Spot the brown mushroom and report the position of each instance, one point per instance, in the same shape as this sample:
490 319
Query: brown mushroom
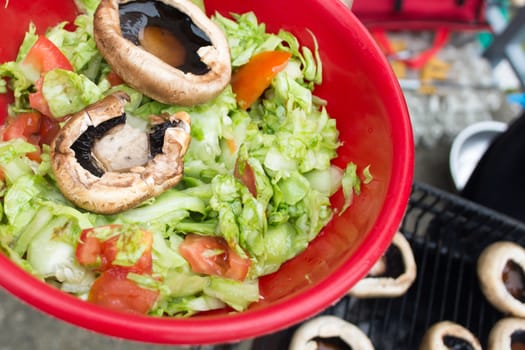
447 335
507 334
136 165
392 275
167 49
500 270
320 332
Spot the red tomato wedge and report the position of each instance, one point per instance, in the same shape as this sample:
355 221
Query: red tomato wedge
44 56
22 126
114 79
251 79
212 256
25 126
49 128
100 254
37 100
112 289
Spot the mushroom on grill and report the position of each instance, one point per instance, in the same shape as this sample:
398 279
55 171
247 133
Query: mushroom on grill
507 334
105 166
167 49
392 275
323 330
500 270
447 335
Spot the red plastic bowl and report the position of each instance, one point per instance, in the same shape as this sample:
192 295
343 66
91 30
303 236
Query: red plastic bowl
362 94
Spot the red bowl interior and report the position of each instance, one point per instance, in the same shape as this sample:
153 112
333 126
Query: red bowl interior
362 94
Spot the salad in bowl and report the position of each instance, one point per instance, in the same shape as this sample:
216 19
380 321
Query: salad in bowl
167 158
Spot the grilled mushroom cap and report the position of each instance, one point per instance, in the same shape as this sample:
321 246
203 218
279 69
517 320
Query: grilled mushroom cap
307 336
500 272
446 335
382 281
506 333
143 64
101 181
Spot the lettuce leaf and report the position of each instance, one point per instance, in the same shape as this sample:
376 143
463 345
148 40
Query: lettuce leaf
67 92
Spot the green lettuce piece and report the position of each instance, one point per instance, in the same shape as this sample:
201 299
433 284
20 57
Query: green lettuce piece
279 246
67 92
39 220
367 175
326 181
185 284
351 184
13 162
246 36
87 6
51 254
165 253
49 251
29 40
293 188
79 45
239 295
45 211
170 205
19 83
19 203
6 249
186 306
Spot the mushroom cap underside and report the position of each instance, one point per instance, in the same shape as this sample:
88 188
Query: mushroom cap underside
114 191
151 75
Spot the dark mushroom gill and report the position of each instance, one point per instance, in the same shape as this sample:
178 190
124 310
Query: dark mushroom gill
514 279
166 32
156 135
456 343
84 144
332 343
518 340
395 265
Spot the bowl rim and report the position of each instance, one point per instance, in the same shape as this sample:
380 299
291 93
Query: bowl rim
252 323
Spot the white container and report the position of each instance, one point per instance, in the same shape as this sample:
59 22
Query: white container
469 146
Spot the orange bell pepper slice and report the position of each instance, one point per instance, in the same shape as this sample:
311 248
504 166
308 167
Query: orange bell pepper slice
251 79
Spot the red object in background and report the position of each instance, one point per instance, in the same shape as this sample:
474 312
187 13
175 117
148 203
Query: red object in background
421 14
364 96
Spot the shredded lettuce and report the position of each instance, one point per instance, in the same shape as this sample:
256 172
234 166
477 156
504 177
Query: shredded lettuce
67 92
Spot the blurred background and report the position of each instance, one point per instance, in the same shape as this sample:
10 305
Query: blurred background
460 63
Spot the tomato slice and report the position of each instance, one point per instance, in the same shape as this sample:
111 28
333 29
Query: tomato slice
44 56
244 172
251 79
100 254
49 128
37 100
112 289
114 79
25 126
22 126
212 256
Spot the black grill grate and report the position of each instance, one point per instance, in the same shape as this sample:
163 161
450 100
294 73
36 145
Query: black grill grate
447 234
